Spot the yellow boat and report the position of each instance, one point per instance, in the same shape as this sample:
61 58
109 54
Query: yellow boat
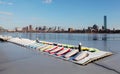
45 48
89 49
84 48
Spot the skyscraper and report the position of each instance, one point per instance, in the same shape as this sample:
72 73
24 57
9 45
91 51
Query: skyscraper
30 27
105 22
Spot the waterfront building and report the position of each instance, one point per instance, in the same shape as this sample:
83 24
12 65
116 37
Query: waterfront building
40 28
105 22
95 27
25 29
30 28
70 30
58 28
89 29
55 28
103 27
36 29
18 29
44 28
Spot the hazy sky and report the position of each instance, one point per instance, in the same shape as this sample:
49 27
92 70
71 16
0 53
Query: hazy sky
64 13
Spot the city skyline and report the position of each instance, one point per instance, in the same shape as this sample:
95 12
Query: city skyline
64 13
45 29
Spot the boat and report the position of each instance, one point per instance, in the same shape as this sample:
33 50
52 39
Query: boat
45 48
40 47
56 50
89 49
81 56
65 50
50 49
71 53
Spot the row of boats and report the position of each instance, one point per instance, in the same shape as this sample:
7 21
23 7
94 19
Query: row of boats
62 51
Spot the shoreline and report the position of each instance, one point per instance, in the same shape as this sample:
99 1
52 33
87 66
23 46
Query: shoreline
62 32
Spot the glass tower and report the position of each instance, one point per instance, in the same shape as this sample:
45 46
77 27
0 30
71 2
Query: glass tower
105 22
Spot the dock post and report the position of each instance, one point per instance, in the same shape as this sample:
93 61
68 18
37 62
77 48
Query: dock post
79 47
37 40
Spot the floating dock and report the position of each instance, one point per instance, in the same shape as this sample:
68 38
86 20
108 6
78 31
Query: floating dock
62 51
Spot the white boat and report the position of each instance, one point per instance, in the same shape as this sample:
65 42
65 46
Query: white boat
81 56
56 50
71 53
65 50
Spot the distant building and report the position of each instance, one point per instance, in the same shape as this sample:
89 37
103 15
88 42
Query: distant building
55 28
36 29
40 28
105 22
18 29
103 27
44 28
59 29
49 29
89 29
70 30
30 28
25 29
95 27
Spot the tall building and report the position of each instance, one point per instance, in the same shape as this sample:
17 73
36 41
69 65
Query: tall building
105 22
70 30
30 28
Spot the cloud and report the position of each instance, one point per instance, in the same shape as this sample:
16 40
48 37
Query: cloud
6 13
47 1
6 3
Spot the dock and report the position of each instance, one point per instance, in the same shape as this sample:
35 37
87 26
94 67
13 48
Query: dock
15 59
83 57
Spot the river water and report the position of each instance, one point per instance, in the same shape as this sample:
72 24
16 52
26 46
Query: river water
107 42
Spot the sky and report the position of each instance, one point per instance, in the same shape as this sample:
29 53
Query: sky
64 13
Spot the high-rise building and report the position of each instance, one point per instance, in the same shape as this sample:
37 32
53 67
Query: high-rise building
30 28
105 22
